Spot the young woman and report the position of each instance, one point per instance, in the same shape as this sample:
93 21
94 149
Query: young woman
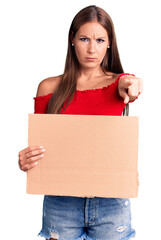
93 82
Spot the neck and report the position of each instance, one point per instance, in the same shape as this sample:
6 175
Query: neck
89 73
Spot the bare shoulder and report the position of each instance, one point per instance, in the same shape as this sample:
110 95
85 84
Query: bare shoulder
48 85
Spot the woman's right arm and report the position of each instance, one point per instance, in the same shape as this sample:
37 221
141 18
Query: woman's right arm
29 157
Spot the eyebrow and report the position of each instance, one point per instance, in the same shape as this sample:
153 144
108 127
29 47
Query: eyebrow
88 37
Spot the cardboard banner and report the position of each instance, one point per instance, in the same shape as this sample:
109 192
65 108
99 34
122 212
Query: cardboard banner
86 155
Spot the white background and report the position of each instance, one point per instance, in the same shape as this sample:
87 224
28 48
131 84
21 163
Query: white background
33 46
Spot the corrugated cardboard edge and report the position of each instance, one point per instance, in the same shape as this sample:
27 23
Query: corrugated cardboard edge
28 179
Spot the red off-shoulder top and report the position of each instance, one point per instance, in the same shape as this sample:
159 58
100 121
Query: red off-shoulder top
99 101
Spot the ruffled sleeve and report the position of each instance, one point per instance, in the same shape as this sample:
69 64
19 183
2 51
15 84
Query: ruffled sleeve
41 103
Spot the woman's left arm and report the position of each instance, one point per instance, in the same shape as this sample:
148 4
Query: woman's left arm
130 87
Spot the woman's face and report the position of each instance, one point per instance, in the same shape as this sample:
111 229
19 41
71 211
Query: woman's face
90 43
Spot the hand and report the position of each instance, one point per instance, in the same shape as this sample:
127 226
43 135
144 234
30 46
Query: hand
28 157
130 87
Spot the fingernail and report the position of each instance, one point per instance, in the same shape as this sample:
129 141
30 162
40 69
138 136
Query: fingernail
36 163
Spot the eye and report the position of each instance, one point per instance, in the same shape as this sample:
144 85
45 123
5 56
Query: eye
83 39
100 40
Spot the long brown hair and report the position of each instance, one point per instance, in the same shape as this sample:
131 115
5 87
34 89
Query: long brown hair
111 61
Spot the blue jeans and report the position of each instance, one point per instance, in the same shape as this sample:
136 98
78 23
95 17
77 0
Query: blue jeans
79 218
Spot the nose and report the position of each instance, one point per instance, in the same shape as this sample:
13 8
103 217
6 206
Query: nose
91 47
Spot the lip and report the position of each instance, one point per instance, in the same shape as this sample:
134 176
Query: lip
91 58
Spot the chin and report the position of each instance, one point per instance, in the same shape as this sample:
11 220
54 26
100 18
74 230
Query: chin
90 65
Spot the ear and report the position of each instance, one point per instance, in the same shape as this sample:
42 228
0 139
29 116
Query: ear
109 43
71 37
